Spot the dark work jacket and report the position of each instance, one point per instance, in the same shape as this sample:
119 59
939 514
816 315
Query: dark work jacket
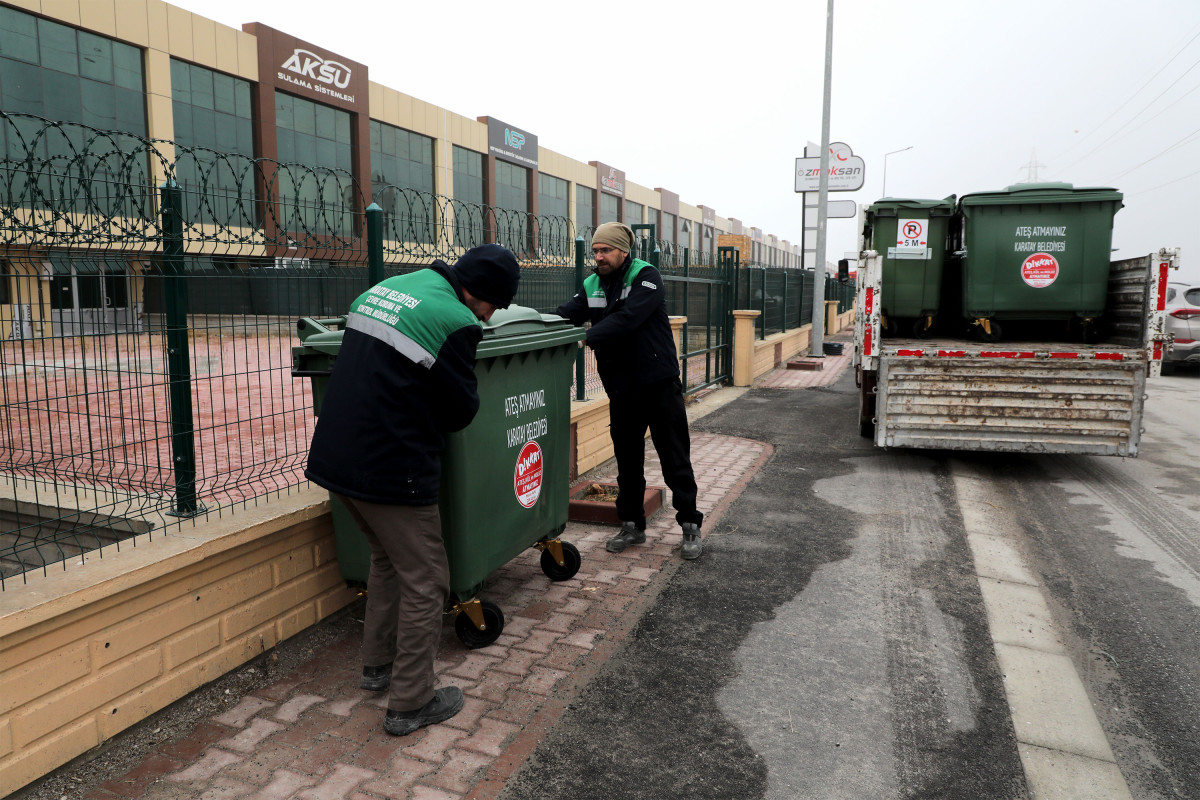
630 334
403 378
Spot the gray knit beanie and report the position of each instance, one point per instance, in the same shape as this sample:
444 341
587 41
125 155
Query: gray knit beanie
614 234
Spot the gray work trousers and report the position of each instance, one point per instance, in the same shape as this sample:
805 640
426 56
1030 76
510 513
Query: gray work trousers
407 590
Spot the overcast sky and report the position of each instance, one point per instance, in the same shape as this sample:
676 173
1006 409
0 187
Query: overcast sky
714 101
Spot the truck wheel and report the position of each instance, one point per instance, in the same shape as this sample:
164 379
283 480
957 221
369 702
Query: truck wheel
472 637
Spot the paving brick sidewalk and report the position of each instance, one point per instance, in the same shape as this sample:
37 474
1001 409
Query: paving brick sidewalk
316 736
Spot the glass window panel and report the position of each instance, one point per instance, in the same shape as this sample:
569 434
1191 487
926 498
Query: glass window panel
58 47
18 35
633 213
284 118
286 142
241 98
60 96
95 57
345 158
21 84
304 116
127 67
226 134
306 149
323 121
202 87
245 137
342 126
326 153
130 111
609 205
182 113
98 108
204 127
223 93
181 82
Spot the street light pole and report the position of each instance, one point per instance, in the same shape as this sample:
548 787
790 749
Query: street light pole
885 158
816 339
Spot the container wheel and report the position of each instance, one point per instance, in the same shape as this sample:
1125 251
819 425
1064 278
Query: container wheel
992 335
923 327
570 565
470 635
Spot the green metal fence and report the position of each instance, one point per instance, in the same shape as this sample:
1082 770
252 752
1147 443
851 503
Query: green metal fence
148 299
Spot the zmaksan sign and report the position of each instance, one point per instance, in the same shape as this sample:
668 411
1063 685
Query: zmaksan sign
846 170
512 144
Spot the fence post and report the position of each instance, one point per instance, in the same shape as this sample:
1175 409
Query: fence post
179 369
374 243
580 354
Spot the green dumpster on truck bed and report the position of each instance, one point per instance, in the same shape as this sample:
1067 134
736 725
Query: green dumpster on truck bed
504 485
1037 251
910 236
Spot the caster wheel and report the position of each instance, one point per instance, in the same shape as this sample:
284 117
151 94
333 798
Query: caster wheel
472 637
570 565
922 330
995 334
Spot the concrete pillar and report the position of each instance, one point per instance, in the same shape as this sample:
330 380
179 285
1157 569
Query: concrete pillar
831 317
743 347
677 333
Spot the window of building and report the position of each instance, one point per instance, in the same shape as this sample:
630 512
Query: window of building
468 197
552 196
402 182
315 164
633 213
214 144
512 203
585 212
609 206
653 217
667 233
64 74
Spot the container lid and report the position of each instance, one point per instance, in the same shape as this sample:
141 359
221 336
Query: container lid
520 320
1020 193
884 205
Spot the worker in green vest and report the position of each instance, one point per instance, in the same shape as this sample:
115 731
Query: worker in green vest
403 379
626 303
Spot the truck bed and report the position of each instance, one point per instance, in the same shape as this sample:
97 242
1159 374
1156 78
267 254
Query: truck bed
1035 404
1031 395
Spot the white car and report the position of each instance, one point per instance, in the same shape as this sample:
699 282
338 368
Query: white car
1183 320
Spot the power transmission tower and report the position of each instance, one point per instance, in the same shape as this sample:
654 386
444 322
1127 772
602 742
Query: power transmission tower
1031 174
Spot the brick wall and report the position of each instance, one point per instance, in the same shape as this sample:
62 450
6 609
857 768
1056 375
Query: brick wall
88 651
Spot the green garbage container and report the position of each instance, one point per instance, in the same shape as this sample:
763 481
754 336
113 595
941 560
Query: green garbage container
910 236
1036 251
504 486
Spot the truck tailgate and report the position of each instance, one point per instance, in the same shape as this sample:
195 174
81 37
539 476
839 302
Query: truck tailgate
1023 405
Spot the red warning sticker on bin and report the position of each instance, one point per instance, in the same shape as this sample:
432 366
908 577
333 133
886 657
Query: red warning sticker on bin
527 481
1040 270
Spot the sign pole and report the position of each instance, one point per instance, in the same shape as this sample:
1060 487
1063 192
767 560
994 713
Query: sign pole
817 338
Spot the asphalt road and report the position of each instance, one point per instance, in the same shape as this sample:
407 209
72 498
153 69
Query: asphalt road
833 641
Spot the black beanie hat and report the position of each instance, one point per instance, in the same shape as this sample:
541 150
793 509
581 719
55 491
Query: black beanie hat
490 272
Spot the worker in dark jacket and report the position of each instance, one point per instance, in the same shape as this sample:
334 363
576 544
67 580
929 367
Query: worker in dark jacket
404 378
626 303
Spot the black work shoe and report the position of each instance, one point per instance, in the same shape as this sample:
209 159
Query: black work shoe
629 535
446 702
692 546
376 679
